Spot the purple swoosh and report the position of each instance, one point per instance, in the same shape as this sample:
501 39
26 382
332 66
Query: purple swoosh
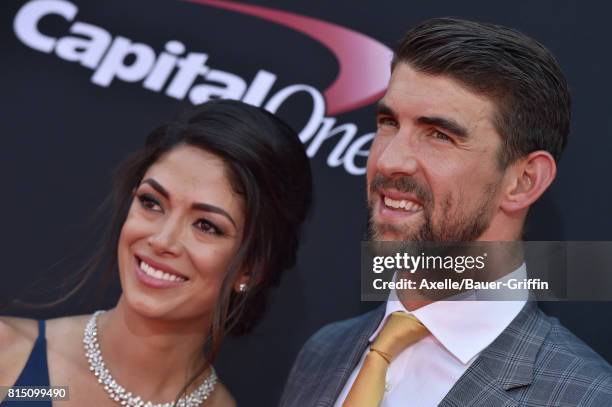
364 62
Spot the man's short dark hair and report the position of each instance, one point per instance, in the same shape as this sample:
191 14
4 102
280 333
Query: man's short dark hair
516 72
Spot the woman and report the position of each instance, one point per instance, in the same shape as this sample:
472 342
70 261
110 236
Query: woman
206 217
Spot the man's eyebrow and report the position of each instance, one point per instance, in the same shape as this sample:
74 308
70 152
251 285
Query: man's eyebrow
198 206
383 108
447 124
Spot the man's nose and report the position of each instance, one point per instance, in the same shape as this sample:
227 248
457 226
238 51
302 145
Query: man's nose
399 155
167 238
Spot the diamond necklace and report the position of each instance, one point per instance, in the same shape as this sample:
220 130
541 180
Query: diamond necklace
117 393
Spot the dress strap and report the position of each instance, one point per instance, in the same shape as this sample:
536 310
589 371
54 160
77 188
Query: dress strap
35 371
41 329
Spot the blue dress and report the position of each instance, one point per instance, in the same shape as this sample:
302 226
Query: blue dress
35 372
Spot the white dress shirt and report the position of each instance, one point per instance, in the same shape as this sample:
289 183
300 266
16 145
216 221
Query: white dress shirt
422 374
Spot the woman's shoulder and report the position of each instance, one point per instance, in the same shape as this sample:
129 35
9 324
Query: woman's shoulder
17 338
65 336
221 397
15 329
66 326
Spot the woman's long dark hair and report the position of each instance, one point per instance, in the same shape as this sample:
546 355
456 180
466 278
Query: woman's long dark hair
267 165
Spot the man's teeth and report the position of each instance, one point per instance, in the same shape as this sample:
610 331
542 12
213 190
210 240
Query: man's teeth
408 206
161 275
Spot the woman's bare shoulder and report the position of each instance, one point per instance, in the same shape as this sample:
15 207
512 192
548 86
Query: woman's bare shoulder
17 337
66 325
65 335
221 397
15 329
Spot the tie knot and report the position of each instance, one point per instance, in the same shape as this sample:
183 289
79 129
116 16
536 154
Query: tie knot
400 331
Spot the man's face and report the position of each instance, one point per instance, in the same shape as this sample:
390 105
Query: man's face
432 172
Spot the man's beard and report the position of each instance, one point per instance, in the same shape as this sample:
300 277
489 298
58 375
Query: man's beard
453 227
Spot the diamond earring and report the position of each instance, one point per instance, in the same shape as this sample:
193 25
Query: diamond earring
242 287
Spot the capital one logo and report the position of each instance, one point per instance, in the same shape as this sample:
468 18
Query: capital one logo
361 80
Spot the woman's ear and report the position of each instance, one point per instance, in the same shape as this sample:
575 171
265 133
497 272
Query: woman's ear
249 276
531 177
241 285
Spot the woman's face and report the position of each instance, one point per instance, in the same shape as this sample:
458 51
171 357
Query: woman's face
183 228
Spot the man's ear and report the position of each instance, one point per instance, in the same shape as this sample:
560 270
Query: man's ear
530 177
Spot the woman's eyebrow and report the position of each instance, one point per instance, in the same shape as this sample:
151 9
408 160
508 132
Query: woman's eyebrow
197 205
157 186
211 208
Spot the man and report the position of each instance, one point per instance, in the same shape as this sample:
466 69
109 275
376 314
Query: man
469 132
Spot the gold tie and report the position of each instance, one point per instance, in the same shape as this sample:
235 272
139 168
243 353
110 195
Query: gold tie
400 331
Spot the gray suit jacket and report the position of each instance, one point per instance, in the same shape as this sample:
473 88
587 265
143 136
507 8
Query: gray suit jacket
534 362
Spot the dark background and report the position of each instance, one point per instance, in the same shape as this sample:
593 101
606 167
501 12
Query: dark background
62 136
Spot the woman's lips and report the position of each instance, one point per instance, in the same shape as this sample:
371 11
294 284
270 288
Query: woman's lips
156 279
159 266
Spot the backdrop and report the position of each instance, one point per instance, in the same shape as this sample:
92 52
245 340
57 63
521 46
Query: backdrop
84 82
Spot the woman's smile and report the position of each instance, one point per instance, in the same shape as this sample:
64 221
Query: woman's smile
156 276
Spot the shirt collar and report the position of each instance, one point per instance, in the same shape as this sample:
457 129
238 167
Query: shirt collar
464 328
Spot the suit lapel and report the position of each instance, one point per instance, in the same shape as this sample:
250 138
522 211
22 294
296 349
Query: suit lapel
477 387
346 356
505 364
